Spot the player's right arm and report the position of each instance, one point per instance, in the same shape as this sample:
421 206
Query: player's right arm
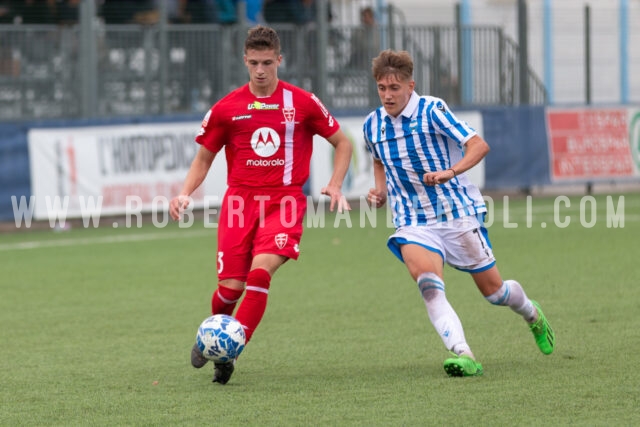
475 150
378 196
197 173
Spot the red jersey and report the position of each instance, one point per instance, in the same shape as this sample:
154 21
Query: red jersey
268 140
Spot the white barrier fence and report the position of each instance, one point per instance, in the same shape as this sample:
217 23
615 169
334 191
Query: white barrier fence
91 170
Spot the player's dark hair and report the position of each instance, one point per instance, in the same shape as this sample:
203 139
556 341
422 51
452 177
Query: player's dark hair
261 37
390 62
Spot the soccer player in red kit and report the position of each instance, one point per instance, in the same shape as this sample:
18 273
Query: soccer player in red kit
266 128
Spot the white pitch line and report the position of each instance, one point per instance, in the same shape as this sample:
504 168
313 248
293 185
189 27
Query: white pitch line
98 240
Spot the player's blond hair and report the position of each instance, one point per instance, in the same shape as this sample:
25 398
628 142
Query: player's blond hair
262 37
391 62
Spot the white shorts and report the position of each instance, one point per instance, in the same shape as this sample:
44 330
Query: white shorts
462 243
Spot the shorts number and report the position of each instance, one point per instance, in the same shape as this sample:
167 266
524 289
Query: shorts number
220 263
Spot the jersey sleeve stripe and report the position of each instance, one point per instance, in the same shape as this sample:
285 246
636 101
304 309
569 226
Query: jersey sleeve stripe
288 139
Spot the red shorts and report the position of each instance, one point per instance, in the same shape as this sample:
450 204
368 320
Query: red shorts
256 222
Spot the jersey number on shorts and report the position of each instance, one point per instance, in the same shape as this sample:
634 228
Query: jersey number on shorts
220 263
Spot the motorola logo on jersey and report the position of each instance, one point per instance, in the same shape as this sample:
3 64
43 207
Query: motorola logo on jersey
265 162
265 142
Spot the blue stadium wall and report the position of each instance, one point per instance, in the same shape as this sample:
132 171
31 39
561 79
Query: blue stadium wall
519 155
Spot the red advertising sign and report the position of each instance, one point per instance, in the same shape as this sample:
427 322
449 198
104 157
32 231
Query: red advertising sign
589 144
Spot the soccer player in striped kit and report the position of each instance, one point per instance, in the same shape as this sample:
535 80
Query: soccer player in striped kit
421 152
266 128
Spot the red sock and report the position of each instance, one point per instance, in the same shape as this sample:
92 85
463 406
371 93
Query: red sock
254 303
224 300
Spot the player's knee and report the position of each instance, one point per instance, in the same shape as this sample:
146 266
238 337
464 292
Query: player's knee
260 278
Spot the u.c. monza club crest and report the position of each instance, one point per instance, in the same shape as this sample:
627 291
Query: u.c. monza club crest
289 113
281 240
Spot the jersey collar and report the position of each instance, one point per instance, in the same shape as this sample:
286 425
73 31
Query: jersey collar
411 105
409 108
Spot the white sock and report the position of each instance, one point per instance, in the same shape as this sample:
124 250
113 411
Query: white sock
513 296
442 316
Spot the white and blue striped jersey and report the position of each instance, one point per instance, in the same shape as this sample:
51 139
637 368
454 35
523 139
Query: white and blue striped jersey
425 137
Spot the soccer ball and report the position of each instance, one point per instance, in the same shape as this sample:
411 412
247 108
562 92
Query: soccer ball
220 338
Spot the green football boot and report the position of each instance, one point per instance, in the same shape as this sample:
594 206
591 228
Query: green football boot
462 366
542 332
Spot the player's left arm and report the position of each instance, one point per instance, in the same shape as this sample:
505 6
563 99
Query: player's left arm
476 149
342 158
